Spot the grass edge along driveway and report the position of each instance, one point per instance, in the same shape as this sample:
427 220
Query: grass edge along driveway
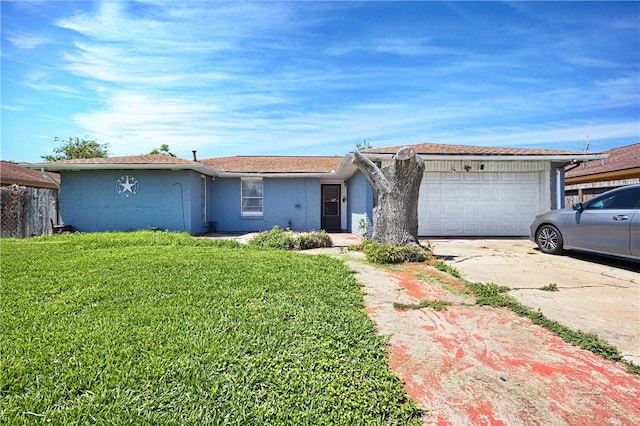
162 328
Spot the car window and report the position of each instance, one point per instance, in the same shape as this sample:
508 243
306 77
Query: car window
626 199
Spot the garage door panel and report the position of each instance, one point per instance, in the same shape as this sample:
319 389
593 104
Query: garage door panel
528 177
470 226
490 193
488 177
527 193
509 210
468 191
450 177
472 211
451 228
449 210
508 194
478 204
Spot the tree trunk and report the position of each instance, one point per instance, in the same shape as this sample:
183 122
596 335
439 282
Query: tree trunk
395 217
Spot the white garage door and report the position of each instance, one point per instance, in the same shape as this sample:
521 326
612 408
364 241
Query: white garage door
478 204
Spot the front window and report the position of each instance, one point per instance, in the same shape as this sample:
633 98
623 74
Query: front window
251 197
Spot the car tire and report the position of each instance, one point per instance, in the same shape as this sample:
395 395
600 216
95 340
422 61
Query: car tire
549 239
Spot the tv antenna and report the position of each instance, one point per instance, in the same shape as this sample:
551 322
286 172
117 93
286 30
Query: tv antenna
587 144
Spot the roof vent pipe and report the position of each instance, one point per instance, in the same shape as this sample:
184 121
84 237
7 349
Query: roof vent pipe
195 158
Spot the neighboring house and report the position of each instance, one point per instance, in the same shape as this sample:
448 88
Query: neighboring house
29 201
465 191
588 179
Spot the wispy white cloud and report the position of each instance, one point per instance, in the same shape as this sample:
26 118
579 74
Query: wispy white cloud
12 107
109 23
28 41
41 81
403 46
592 62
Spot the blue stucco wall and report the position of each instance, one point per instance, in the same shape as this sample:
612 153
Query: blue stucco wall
360 204
287 202
90 202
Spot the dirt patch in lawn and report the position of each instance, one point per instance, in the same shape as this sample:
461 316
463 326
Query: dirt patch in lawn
470 365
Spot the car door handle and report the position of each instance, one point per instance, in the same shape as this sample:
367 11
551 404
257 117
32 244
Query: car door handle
621 217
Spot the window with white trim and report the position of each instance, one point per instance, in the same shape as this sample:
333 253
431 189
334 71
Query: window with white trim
251 197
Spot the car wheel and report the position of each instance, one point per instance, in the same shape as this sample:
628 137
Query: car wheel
549 239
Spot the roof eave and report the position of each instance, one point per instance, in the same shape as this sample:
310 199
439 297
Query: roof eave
201 168
29 182
568 158
319 175
629 173
346 169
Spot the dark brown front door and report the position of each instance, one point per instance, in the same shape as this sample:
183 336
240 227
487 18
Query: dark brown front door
330 220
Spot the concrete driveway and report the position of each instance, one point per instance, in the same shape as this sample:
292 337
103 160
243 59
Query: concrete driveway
595 294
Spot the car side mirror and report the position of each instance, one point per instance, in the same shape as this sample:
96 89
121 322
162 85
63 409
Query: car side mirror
578 206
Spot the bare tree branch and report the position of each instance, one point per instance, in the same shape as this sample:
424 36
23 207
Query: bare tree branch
372 172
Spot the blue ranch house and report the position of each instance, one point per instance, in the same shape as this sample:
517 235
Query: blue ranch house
465 191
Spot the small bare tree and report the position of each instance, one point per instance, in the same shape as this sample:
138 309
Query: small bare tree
395 217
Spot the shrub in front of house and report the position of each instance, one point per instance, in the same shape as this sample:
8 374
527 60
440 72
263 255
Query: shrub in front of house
311 240
387 253
278 238
414 253
382 253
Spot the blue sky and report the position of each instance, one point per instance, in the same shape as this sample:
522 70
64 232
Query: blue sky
316 78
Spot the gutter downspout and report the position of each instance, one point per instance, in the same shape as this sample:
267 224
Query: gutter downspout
559 188
48 176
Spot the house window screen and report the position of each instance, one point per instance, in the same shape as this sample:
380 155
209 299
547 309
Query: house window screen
331 201
251 197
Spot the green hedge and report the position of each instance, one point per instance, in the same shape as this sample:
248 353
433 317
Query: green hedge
387 253
278 238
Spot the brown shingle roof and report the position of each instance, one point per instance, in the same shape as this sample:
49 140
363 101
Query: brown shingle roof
12 173
149 159
623 158
445 149
138 162
269 164
237 164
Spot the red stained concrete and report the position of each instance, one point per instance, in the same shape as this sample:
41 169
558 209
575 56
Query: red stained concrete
474 365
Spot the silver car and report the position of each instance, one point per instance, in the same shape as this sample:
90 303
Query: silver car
608 224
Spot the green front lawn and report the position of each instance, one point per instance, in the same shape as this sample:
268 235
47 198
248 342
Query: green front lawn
162 328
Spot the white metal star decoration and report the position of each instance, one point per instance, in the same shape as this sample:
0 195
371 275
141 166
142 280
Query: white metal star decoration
127 186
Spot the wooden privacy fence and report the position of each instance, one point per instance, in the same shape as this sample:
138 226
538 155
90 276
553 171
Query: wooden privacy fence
27 211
